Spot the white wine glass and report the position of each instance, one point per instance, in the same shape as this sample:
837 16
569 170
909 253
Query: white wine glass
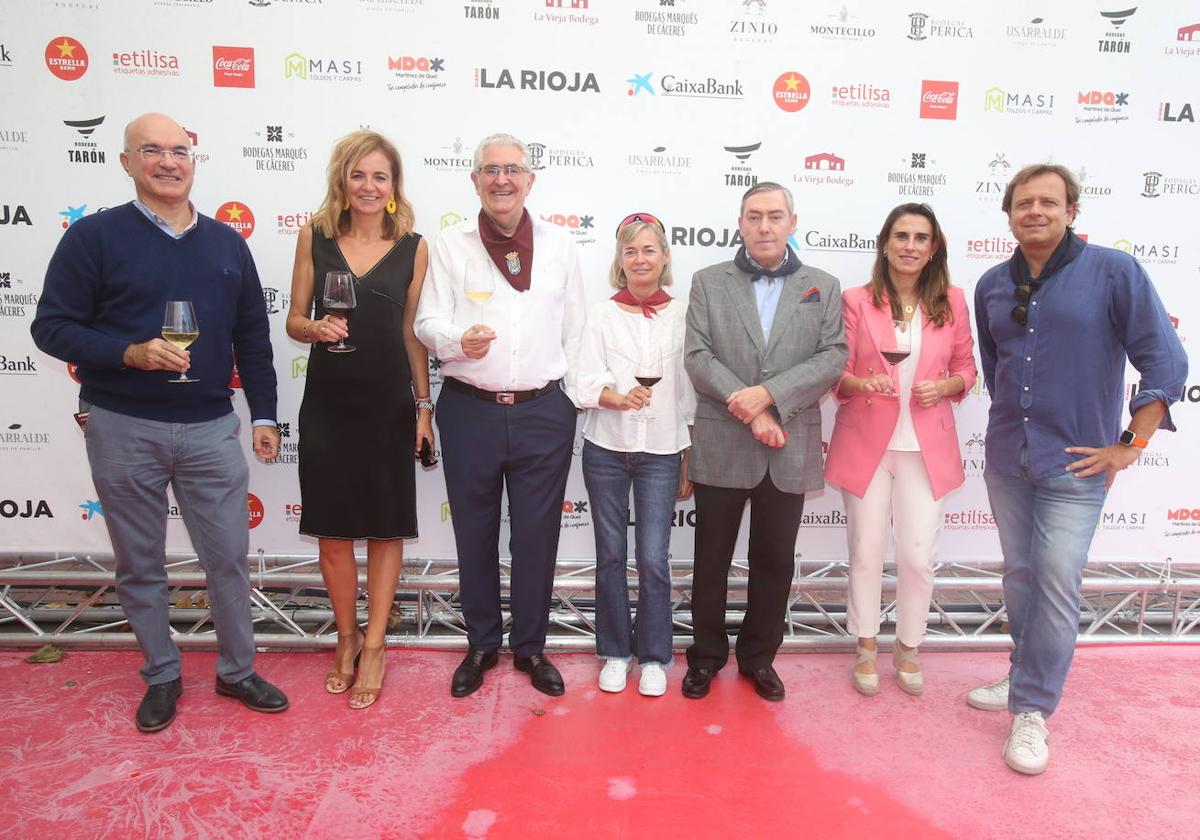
340 300
180 330
481 284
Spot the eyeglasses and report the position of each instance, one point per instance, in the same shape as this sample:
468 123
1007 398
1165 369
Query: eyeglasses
511 170
645 218
1023 292
179 154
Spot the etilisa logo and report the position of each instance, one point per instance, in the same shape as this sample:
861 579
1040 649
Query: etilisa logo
822 169
66 58
289 224
860 95
299 66
1115 39
1001 101
233 67
555 81
791 91
84 149
1176 112
415 72
939 100
145 62
975 519
667 18
740 173
237 215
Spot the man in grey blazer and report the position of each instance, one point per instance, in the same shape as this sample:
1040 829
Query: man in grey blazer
764 342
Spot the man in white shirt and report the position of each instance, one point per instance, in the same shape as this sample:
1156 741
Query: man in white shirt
503 309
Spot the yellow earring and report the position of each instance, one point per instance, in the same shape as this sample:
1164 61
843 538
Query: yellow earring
346 204
391 205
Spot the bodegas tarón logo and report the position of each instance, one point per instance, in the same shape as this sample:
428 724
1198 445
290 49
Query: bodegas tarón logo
84 149
66 58
740 173
1114 40
555 81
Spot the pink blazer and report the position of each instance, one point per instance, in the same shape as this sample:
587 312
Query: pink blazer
865 424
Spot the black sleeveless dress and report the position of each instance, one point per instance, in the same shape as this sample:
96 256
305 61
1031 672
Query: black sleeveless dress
358 420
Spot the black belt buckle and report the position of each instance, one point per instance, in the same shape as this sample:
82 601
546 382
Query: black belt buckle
506 397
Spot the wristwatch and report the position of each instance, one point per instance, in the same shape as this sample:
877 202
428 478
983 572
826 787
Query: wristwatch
427 404
1130 438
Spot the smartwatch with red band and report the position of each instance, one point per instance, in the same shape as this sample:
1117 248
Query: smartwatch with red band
1130 438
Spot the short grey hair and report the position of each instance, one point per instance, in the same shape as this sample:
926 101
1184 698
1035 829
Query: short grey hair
769 186
501 140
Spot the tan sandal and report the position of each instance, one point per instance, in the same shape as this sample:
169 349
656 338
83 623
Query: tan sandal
865 684
340 677
370 694
911 682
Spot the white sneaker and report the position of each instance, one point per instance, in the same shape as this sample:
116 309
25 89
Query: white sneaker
1026 750
612 675
654 680
990 698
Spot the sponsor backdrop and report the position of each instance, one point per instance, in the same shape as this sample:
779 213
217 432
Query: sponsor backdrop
667 106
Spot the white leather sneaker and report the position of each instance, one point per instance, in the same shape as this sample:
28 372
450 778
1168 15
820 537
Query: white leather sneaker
653 682
612 675
990 698
1026 750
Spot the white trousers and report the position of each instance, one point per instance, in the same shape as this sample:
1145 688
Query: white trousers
899 492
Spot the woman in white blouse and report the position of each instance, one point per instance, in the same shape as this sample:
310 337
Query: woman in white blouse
635 435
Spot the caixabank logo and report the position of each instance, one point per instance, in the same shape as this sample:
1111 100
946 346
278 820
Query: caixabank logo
841 241
66 58
540 80
237 215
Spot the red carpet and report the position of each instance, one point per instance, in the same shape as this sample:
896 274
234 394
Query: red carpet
511 763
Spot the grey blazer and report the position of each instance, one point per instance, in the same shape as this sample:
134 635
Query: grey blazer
724 350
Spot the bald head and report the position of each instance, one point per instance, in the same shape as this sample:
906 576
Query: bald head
154 125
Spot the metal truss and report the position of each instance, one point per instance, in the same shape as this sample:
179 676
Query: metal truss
69 600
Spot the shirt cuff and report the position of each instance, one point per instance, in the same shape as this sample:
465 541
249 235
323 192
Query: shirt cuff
1148 396
271 423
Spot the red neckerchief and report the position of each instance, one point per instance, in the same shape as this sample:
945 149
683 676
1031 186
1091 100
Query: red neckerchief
513 255
658 296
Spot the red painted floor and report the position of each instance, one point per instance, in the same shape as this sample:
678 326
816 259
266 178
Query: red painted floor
509 762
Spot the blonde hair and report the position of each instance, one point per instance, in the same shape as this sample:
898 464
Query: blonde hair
333 217
625 235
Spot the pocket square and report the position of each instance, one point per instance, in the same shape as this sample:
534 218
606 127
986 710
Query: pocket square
813 295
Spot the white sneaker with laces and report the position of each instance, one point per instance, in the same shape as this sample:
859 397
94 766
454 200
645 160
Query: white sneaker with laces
612 675
1026 750
990 698
654 680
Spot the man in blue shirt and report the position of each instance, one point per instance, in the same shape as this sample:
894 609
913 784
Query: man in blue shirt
1056 324
102 308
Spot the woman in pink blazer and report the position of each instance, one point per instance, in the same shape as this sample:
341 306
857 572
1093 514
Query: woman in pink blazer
894 451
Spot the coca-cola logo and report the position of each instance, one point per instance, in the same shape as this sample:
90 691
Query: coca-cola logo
939 100
233 67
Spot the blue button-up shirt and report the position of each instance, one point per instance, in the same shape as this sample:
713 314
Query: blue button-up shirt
1059 380
766 296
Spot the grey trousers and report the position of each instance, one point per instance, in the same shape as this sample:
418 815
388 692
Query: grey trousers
133 461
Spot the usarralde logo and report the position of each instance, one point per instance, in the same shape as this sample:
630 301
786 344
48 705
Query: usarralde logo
236 215
66 58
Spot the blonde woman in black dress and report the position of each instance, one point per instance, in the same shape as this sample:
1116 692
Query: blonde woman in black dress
362 410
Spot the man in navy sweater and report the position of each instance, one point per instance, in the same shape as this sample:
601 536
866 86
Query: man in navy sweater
102 309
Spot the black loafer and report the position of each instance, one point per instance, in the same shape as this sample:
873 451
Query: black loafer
766 683
468 676
157 709
697 681
542 674
255 693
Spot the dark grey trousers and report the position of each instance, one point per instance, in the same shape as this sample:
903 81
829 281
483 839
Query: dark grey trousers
133 461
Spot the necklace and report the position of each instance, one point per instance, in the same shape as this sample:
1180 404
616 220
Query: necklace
908 309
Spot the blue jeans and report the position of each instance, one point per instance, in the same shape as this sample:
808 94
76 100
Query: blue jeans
1046 526
608 476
